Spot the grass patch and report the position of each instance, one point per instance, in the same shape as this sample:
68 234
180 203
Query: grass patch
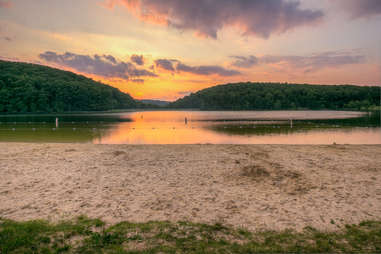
84 235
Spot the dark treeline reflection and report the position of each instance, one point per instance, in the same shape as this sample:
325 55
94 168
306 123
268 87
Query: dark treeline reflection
69 118
371 120
81 128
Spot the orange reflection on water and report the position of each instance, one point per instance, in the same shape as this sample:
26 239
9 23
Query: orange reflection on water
165 127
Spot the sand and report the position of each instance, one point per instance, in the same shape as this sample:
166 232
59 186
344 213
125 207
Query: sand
258 187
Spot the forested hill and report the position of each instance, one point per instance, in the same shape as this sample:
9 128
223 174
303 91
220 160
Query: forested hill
35 88
244 96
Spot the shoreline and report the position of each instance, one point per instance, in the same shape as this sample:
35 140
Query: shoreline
132 110
257 187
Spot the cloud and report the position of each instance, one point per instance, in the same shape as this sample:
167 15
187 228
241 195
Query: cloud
260 18
361 8
138 59
165 64
5 4
309 63
202 70
110 58
206 70
315 62
105 65
244 61
109 67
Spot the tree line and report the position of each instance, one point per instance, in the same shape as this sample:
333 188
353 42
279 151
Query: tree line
277 96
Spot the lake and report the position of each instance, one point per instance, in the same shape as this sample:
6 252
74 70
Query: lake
196 127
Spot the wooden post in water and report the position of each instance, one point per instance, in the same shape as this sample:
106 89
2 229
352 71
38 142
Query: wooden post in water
56 122
186 120
291 125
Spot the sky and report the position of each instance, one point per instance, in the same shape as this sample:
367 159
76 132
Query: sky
166 49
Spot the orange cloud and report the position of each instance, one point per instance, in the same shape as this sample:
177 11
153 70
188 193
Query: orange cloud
135 7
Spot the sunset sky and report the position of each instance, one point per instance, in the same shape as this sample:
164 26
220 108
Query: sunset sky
165 49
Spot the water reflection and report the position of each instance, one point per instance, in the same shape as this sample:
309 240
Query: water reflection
192 127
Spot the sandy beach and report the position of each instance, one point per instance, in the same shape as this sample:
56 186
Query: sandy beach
252 186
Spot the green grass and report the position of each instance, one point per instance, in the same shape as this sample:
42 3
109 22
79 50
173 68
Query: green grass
85 235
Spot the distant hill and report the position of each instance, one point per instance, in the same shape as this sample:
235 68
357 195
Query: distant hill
276 96
35 88
155 102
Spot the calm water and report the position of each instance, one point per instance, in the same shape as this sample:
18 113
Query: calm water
193 127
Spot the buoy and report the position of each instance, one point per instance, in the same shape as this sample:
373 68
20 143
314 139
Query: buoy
74 129
33 129
13 129
53 129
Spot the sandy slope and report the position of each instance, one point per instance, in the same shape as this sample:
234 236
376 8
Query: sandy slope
254 186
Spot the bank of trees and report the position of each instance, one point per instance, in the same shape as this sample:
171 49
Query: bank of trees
276 96
35 88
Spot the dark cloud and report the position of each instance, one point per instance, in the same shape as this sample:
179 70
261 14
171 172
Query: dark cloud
253 17
138 59
315 62
5 4
165 64
204 70
110 58
105 65
361 8
244 61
